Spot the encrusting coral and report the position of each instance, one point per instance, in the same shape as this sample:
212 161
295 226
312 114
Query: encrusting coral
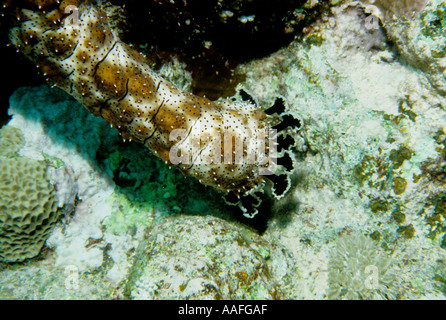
28 201
231 145
11 140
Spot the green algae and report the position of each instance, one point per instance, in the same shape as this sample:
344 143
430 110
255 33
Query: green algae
434 21
379 205
407 232
399 185
127 216
399 216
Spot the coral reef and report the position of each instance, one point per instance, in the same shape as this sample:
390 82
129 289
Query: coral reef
421 41
113 190
44 282
364 218
377 122
11 140
28 201
440 275
201 258
359 269
65 143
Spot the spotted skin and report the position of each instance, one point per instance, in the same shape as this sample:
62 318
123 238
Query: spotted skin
224 145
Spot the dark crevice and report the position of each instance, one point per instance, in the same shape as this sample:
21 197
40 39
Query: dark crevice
95 68
288 121
126 90
232 198
246 97
285 143
278 107
286 162
212 37
281 184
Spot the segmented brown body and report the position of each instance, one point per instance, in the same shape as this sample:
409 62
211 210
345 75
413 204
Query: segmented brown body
226 145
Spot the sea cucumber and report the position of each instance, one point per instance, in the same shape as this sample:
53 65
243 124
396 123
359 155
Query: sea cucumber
230 145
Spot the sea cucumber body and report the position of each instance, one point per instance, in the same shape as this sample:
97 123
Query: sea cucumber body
226 145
